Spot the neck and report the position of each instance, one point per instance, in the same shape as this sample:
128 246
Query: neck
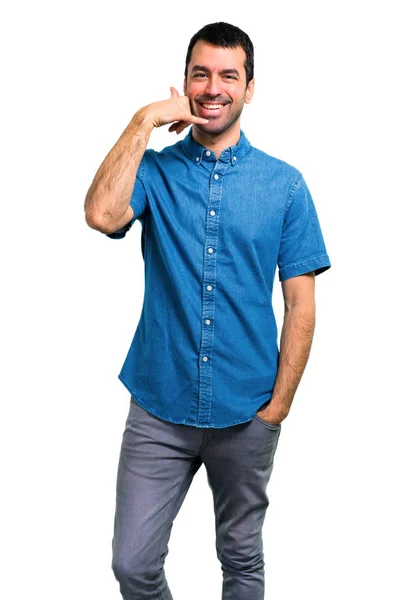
217 142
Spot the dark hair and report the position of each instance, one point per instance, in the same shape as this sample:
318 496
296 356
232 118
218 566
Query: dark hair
226 36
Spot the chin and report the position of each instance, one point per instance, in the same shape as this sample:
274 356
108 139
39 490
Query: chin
213 128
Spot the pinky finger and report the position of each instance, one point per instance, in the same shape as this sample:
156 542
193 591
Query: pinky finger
182 126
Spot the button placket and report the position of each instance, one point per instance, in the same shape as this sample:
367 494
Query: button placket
209 290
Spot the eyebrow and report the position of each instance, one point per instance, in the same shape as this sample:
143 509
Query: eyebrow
223 72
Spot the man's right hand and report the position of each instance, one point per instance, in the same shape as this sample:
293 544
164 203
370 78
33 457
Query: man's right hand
175 110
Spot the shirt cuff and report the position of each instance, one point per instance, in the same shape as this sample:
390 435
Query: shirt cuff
318 264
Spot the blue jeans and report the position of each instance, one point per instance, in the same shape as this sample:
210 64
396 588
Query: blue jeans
157 463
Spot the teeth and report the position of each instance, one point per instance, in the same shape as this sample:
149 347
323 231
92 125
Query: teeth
212 106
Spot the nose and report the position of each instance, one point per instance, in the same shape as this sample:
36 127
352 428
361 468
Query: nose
213 87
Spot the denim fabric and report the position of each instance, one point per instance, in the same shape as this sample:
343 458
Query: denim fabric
205 351
158 461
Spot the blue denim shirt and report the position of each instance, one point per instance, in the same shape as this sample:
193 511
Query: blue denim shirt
205 350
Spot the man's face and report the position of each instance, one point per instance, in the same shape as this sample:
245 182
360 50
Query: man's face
216 85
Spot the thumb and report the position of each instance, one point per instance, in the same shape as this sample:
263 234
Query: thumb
174 92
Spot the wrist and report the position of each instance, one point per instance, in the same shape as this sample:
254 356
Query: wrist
143 120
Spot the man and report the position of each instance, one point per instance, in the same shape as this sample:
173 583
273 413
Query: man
207 382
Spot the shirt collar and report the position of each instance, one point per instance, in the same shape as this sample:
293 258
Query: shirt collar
197 153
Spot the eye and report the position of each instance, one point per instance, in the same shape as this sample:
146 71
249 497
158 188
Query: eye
199 75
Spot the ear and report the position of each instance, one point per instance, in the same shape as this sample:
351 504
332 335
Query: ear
184 85
249 91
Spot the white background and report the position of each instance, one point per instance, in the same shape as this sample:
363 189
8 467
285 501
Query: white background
325 101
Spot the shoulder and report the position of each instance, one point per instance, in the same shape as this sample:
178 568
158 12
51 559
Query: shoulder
275 166
156 158
171 151
277 174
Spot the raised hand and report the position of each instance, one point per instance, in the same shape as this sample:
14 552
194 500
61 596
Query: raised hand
175 110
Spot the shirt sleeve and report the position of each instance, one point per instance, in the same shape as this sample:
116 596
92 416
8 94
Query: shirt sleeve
302 248
138 202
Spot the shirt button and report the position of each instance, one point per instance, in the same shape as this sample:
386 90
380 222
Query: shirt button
212 212
205 358
216 176
208 321
210 250
208 153
197 159
234 158
209 287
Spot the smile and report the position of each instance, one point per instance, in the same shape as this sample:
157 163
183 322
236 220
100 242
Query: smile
208 109
211 106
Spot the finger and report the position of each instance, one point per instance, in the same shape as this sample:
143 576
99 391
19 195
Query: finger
192 119
173 126
181 126
174 92
178 126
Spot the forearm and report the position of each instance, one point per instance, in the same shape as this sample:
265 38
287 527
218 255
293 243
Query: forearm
295 345
108 197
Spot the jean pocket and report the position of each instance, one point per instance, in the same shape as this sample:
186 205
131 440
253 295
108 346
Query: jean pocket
267 424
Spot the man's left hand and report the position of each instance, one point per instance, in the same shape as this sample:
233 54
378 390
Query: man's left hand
271 415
